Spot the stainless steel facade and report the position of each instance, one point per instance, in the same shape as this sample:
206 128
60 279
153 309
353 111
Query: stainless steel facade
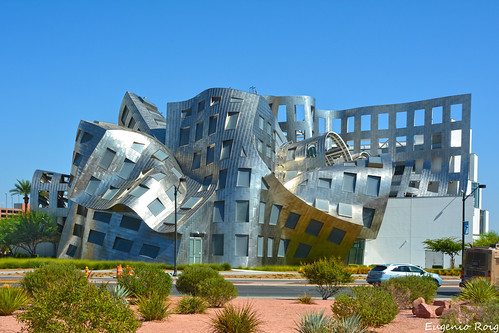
262 179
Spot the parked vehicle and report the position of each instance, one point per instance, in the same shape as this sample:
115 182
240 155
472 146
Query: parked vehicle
481 261
387 271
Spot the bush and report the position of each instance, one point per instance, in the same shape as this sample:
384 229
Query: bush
11 299
418 287
305 299
351 324
189 281
481 318
74 305
153 308
314 322
374 306
328 274
46 275
236 320
191 304
145 281
401 295
217 291
479 290
119 293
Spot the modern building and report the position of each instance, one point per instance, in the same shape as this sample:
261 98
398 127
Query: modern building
251 180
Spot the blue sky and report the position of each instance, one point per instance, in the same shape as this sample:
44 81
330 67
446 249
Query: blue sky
66 61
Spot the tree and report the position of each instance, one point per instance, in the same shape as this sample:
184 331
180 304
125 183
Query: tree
328 274
23 187
28 230
487 238
448 245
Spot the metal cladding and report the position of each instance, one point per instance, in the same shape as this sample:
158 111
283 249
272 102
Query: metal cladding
261 179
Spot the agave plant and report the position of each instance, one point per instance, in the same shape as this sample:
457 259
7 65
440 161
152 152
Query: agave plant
314 322
479 290
120 293
11 299
352 324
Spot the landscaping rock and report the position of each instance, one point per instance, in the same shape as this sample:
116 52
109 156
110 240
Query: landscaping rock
415 304
424 310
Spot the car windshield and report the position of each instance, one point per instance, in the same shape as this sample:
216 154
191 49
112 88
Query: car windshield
379 268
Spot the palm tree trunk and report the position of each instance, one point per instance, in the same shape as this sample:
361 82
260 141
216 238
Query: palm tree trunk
26 202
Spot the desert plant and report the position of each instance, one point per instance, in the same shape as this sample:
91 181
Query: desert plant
352 324
74 305
46 275
217 291
153 308
314 322
418 287
146 280
480 318
401 295
479 290
191 304
234 319
374 306
189 281
11 299
328 274
305 299
120 293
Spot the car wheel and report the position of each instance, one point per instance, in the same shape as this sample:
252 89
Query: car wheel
436 282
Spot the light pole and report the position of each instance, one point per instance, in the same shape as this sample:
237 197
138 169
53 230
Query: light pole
464 218
175 235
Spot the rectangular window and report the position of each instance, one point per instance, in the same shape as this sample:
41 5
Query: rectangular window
270 246
419 116
102 217
349 181
160 155
261 216
126 169
219 211
436 165
322 204
62 199
206 183
292 220
138 147
336 125
302 251
77 159
456 112
269 128
345 209
261 121
236 100
418 142
259 246
196 160
86 137
201 106
78 230
283 247
383 145
71 250
139 190
123 245
350 124
92 185
368 216
107 158
226 149
222 179
300 112
418 166
365 122
218 244
215 100
184 136
322 125
291 154
336 236
455 163
96 237
149 251
281 113
401 121
436 115
325 182
243 177
199 131
436 140
242 211
210 154
212 126
383 121
82 211
373 183
187 112
455 138
242 245
259 146
314 227
274 214
124 115
131 223
433 186
231 120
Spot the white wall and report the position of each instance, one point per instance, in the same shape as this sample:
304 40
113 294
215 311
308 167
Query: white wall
410 221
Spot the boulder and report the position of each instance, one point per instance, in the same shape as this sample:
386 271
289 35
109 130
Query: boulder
441 306
415 304
424 310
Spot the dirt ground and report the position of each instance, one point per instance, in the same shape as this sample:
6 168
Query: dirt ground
278 316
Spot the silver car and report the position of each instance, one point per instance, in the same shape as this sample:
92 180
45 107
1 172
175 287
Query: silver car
387 271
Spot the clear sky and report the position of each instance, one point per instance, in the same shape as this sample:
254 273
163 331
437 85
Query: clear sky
66 61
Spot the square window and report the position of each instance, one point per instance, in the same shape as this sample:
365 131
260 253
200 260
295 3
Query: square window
349 181
243 177
96 237
453 187
302 251
325 183
292 220
322 204
242 211
82 211
345 209
314 227
92 186
414 183
206 183
215 100
71 250
156 207
336 236
433 186
131 223
102 217
123 245
126 169
291 154
86 137
149 251
139 190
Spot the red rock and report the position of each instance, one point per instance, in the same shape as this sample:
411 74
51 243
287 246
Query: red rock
424 310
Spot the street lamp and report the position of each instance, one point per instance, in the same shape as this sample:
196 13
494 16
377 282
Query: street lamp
175 235
464 222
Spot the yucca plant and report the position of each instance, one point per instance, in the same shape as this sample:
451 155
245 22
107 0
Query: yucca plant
352 324
12 299
479 290
191 304
153 308
314 322
234 319
120 293
305 299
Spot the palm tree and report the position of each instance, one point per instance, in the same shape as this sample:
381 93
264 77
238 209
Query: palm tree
23 187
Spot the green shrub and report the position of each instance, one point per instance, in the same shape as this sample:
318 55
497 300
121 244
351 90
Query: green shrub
234 319
145 281
374 306
46 275
479 290
418 287
153 308
305 299
328 274
189 281
217 291
12 299
481 318
191 304
119 293
401 295
314 322
74 305
351 324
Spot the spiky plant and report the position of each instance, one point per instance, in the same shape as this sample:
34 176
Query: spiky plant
191 304
12 299
305 299
352 324
479 290
120 293
314 322
153 308
234 319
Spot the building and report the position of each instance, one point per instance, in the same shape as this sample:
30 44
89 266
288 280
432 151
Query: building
253 180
